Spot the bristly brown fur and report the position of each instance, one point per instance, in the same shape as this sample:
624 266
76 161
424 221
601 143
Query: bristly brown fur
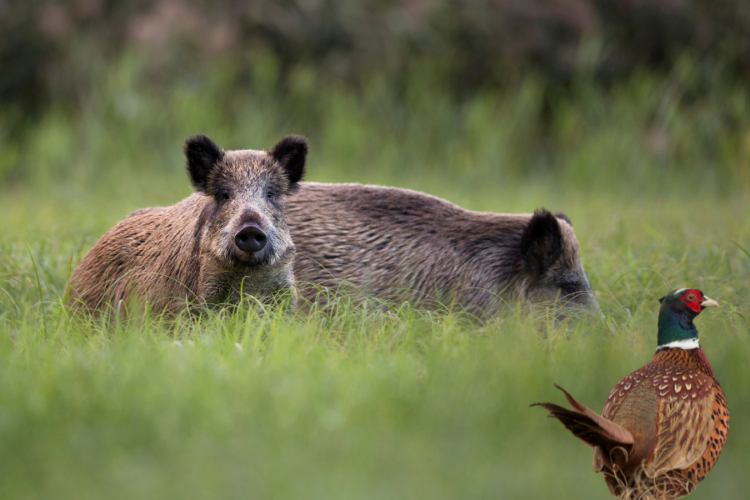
185 255
401 246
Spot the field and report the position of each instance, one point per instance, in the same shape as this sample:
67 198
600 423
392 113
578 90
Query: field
362 404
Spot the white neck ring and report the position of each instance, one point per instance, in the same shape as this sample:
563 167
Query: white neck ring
685 345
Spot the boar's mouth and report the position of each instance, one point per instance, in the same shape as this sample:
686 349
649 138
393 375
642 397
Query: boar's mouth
580 304
264 258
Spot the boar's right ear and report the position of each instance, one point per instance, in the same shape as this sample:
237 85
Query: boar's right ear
202 156
564 217
541 242
291 153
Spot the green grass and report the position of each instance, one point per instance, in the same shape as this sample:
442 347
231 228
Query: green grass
358 404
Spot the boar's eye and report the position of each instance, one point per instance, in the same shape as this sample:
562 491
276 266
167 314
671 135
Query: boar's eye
568 288
271 195
225 196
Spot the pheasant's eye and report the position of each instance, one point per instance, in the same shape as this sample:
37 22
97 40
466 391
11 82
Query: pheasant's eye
690 297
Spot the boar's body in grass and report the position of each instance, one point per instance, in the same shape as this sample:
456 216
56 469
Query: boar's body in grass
400 245
227 239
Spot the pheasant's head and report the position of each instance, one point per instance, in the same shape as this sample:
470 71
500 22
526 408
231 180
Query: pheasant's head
678 309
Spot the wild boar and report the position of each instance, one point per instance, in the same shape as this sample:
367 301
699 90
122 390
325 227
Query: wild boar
229 238
399 246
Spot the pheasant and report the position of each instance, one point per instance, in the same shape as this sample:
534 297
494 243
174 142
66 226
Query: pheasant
663 426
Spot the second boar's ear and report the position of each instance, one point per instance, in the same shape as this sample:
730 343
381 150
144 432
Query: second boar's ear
564 217
291 153
202 156
541 242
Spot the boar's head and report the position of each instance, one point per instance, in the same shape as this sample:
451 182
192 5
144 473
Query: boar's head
552 270
243 220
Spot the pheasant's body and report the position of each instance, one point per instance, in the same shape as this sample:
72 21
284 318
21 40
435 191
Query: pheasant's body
663 426
675 409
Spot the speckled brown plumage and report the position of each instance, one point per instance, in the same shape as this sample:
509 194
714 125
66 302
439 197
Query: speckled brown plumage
675 408
663 426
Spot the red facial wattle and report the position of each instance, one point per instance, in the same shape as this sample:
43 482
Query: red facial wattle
693 299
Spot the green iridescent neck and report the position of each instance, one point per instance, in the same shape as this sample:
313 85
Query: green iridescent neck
676 327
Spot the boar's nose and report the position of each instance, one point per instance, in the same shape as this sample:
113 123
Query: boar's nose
251 239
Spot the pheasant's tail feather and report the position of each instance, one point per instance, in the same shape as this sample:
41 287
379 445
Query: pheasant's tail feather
592 429
580 425
572 401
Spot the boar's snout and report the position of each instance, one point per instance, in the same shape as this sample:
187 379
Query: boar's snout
251 238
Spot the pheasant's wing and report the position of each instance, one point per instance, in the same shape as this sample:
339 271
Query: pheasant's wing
685 422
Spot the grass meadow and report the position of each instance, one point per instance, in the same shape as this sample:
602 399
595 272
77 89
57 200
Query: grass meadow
360 403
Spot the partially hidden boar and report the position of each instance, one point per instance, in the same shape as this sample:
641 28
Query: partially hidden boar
404 246
229 238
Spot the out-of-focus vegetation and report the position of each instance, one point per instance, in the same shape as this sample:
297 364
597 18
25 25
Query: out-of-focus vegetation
467 45
624 91
633 117
644 133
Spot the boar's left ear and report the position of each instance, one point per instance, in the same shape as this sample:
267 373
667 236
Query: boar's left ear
541 242
291 152
202 156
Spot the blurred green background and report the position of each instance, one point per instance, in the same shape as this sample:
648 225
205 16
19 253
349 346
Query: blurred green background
631 116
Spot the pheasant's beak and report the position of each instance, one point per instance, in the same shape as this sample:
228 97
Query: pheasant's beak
708 303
